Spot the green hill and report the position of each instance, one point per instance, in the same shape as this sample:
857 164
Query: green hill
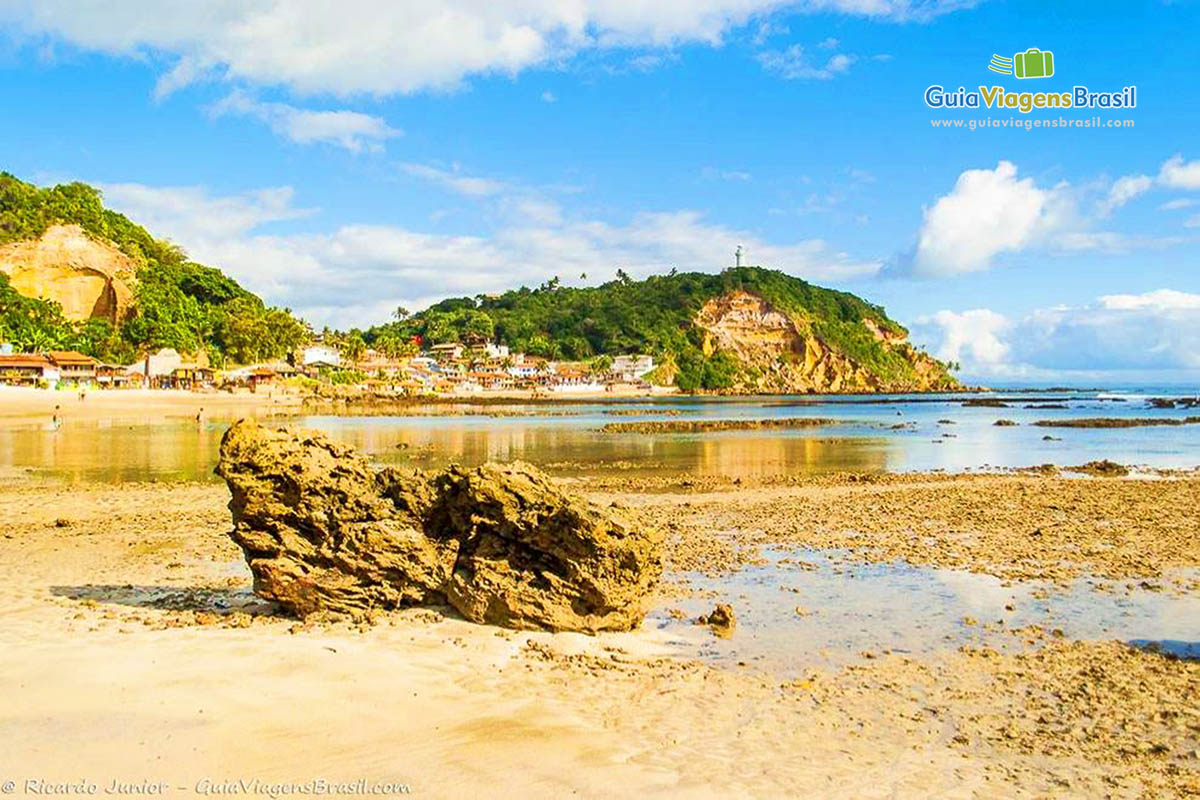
744 329
174 302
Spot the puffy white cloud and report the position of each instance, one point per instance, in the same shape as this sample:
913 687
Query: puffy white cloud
1125 189
384 47
1151 334
1179 174
793 63
352 130
989 212
356 273
968 336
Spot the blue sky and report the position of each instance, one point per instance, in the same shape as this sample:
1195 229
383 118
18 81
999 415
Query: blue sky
342 159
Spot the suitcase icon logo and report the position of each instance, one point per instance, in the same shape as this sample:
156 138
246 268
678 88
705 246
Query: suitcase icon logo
1033 63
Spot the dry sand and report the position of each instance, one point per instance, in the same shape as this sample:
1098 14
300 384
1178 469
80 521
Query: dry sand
131 648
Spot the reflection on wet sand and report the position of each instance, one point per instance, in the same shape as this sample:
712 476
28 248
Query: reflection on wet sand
905 436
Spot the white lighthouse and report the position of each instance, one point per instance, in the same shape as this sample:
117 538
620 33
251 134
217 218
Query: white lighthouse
738 255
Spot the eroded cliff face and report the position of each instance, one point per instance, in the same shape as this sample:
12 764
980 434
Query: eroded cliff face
86 277
781 354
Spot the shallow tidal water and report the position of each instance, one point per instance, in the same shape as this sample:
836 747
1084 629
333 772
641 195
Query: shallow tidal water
872 434
804 609
799 610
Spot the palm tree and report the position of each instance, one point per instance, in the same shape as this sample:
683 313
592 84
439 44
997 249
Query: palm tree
353 348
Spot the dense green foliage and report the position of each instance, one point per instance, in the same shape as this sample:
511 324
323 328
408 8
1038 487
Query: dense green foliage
179 303
650 316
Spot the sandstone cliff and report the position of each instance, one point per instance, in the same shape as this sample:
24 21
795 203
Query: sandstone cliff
88 278
783 352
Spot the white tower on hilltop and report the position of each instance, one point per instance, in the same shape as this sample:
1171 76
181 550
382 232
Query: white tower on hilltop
737 255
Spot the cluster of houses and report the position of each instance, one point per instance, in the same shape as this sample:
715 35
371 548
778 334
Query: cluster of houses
456 368
451 368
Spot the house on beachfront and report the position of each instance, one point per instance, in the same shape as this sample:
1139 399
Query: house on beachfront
27 369
317 356
115 376
631 368
74 367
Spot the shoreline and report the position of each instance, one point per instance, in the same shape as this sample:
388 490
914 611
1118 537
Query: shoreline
131 637
23 405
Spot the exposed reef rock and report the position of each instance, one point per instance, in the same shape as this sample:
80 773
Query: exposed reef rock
715 425
1116 422
88 278
721 620
324 531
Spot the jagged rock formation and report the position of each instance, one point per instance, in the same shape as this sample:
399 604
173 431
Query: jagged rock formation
780 352
323 531
88 278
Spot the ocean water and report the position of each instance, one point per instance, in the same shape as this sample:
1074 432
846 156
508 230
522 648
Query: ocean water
871 433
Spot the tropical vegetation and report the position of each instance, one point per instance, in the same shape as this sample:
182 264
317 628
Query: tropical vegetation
179 303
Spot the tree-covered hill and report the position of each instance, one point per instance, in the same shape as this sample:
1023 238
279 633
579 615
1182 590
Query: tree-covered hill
658 315
178 303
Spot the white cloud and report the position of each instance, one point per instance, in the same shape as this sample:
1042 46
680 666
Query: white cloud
971 336
383 47
1179 174
1160 300
1175 205
989 212
354 274
1155 334
793 63
713 173
454 180
549 97
189 213
352 130
1125 189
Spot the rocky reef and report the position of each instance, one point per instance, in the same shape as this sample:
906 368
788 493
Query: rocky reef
323 530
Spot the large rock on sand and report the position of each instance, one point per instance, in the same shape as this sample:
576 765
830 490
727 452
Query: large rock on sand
324 531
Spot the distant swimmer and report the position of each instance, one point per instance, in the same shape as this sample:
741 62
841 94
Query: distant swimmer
199 414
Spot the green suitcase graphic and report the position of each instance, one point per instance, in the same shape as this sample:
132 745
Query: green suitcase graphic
1034 63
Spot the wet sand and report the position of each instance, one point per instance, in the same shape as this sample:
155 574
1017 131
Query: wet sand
131 647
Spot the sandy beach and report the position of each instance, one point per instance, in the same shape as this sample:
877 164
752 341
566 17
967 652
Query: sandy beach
133 649
20 405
